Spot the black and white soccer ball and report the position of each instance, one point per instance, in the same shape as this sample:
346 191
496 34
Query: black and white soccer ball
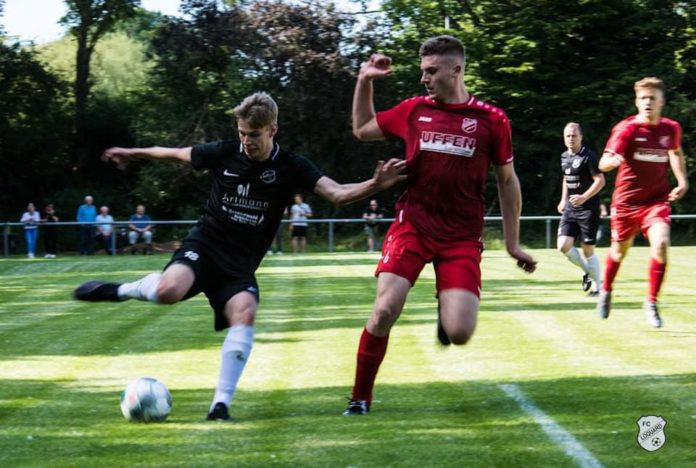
146 400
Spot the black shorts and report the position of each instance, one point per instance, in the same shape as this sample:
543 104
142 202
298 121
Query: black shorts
299 231
584 222
218 283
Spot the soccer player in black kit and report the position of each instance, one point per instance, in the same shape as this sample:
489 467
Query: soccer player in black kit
253 180
579 206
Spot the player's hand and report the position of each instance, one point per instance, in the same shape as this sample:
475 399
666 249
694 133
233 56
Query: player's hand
577 200
116 155
561 207
377 66
677 193
388 173
524 260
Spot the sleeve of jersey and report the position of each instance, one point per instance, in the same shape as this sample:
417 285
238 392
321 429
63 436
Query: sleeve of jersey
307 174
593 163
206 155
618 140
394 122
502 142
677 136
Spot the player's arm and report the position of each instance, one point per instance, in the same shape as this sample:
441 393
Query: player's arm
564 196
121 156
598 183
385 175
610 161
677 162
365 127
510 196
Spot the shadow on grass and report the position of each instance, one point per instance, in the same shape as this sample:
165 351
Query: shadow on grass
434 424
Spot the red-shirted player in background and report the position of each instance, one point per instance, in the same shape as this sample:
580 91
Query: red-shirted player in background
451 139
642 147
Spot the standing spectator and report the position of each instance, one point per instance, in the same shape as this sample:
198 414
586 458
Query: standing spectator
299 212
371 215
579 206
105 229
643 147
49 216
278 238
31 220
140 227
87 213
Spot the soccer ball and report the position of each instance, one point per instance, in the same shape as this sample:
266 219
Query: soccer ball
146 400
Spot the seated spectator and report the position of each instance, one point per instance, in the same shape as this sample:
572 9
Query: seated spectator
105 229
140 227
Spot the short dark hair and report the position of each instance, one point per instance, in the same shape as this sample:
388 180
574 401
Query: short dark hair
442 45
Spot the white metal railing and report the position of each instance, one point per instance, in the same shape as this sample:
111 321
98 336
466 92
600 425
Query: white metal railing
332 222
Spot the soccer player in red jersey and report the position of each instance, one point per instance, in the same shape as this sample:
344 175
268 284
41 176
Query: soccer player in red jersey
642 147
451 138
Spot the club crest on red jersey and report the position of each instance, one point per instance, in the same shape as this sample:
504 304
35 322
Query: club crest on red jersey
469 125
664 141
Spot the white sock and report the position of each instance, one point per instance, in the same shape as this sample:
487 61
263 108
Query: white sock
234 356
145 289
594 271
574 256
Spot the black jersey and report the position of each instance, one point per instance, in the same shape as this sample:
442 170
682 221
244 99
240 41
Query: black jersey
578 171
247 198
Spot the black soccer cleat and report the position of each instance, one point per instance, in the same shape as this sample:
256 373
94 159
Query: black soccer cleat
586 282
442 336
604 304
97 291
357 408
219 413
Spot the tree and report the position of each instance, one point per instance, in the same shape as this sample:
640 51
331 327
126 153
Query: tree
89 20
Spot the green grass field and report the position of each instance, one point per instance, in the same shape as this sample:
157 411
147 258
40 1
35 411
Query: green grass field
63 365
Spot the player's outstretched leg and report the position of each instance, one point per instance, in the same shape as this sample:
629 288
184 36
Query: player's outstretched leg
97 291
144 289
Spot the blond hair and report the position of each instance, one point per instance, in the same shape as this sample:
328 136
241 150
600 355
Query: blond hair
650 82
258 110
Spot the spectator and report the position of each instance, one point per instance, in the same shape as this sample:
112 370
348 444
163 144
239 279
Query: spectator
105 229
140 227
31 220
278 238
87 213
299 212
371 215
49 216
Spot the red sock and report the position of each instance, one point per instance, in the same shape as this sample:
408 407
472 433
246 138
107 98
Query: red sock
656 273
370 355
610 271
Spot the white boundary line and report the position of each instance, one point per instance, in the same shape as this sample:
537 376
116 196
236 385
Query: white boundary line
556 433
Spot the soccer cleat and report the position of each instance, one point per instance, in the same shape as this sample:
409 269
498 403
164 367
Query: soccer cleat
97 291
604 304
586 282
441 333
219 413
651 314
357 408
593 293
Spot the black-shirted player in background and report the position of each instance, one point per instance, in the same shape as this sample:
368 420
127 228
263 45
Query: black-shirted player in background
579 206
253 181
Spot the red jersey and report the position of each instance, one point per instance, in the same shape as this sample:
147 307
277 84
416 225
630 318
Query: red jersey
449 149
642 178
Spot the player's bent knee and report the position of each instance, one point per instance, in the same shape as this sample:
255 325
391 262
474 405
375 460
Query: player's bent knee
168 293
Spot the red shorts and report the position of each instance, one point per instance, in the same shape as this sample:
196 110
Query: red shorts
627 222
406 251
